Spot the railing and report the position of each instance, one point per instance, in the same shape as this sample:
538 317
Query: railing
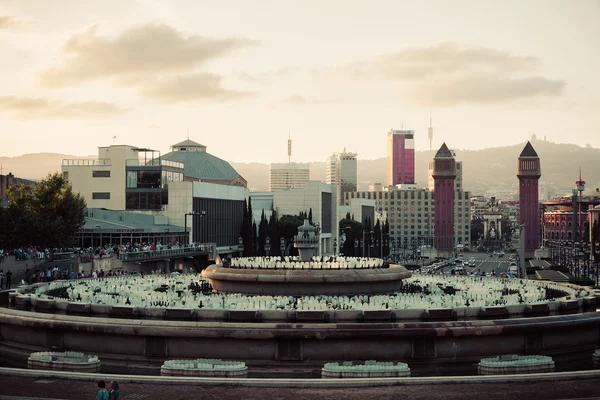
205 248
153 162
86 162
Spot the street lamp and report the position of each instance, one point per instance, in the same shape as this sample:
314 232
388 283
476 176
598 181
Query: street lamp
334 245
282 245
267 246
99 231
364 242
355 246
241 245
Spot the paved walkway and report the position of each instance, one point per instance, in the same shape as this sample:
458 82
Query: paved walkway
23 388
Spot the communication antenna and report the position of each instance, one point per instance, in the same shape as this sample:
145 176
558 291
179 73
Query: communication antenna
289 147
430 132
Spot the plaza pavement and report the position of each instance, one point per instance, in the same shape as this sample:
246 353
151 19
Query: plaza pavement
35 388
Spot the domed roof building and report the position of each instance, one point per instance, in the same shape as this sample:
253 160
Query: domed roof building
202 166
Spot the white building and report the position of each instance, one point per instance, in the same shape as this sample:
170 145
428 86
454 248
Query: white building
342 170
189 186
288 175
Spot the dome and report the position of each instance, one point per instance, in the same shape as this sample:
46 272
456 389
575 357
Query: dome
198 164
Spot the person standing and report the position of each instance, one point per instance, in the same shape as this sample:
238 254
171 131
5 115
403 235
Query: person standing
113 394
1 278
8 279
102 392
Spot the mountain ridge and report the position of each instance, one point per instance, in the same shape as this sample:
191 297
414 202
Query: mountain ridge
484 169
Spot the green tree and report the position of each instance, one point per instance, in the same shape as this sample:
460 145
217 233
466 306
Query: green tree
47 214
352 230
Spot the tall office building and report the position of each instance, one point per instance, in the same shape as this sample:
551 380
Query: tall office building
341 170
401 157
529 172
288 175
444 174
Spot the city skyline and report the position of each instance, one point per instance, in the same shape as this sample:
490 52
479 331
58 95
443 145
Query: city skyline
150 73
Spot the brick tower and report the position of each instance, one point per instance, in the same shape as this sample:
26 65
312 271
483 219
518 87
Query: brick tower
528 172
444 173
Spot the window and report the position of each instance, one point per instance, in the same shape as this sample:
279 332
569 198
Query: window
101 195
100 174
66 176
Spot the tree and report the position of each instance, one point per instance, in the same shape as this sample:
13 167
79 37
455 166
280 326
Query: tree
310 217
352 230
47 214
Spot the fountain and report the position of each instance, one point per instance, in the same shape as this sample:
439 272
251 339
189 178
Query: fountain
203 367
515 364
71 361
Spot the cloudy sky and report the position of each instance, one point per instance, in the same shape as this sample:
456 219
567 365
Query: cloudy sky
240 75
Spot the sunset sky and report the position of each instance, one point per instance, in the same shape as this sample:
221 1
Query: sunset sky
240 75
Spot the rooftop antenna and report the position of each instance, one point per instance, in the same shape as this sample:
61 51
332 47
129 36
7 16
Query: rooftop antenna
430 132
289 147
114 139
188 133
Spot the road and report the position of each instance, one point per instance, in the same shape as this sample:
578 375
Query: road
484 262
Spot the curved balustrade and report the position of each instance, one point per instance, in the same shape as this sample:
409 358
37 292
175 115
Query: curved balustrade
295 263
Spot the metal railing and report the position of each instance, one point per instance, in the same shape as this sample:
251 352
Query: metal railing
187 251
141 162
86 162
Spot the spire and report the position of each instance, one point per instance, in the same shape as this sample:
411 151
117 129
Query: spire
528 151
443 152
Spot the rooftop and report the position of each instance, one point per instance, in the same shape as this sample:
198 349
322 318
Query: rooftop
528 151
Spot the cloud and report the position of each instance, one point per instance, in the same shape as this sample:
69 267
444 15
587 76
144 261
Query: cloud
301 100
44 108
485 90
452 73
141 51
6 21
200 86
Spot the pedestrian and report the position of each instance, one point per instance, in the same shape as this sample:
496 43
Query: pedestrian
1 278
8 279
114 391
102 392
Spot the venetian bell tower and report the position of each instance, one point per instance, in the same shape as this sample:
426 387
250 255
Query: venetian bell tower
529 172
444 173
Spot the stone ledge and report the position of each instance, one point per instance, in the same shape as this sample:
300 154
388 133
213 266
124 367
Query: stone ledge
306 383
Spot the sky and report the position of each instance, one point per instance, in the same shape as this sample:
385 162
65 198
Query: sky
240 76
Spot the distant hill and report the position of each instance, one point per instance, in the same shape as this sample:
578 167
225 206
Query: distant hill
483 169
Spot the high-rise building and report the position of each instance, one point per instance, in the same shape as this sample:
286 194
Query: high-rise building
529 172
288 175
341 170
444 174
400 157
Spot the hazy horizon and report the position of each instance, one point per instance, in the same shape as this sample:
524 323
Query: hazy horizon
241 76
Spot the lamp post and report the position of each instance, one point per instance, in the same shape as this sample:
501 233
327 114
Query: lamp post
267 246
99 231
241 245
282 245
364 243
334 246
355 247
